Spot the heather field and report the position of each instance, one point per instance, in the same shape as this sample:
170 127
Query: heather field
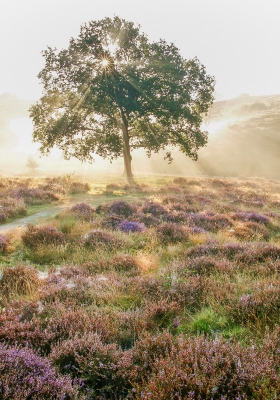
23 196
165 290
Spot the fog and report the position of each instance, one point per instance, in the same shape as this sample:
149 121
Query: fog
244 139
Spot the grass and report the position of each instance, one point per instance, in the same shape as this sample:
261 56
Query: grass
199 275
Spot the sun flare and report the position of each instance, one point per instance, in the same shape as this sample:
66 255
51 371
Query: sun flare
104 62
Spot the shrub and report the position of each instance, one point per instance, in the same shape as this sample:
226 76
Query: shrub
25 375
95 238
197 368
147 219
95 363
4 243
260 308
160 315
111 221
130 226
42 235
156 209
121 208
20 280
251 216
211 222
171 233
204 266
82 211
72 292
124 263
79 187
34 195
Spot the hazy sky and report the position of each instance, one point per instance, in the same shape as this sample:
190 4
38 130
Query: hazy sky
237 40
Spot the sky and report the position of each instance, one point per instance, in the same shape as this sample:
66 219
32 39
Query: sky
236 40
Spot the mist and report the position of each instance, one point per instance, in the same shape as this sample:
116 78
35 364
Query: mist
244 140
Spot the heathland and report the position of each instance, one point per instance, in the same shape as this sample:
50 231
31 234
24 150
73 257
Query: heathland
165 290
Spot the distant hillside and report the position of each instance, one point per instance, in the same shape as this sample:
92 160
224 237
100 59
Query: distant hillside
244 139
249 143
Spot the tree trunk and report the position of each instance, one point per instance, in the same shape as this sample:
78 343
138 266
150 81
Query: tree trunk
126 152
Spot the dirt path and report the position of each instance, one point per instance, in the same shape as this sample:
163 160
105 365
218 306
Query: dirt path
50 210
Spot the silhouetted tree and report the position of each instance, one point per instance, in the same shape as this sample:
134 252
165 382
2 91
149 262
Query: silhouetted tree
31 164
113 91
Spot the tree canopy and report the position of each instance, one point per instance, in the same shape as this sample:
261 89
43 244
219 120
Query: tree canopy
112 91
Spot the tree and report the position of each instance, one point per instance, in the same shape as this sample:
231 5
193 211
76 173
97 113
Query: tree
31 164
113 91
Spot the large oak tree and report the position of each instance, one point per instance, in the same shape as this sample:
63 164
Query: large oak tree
113 91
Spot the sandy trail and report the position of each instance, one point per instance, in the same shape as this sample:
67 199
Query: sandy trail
50 210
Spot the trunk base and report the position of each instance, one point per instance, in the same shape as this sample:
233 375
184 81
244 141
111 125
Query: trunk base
129 179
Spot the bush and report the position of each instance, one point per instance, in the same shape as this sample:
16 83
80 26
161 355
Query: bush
82 211
197 368
156 209
4 243
251 216
130 226
95 363
20 280
121 208
95 238
25 375
79 187
147 219
171 233
211 222
260 308
112 221
42 235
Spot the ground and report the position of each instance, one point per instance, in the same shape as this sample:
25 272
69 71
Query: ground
167 290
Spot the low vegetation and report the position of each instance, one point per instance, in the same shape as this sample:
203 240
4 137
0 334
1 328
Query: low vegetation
174 295
18 195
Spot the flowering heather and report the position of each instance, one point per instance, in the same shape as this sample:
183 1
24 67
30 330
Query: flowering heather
12 206
95 238
42 235
34 195
147 219
82 211
169 232
121 208
210 221
154 208
251 216
4 243
179 217
198 368
261 307
111 221
25 375
196 230
130 226
94 363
